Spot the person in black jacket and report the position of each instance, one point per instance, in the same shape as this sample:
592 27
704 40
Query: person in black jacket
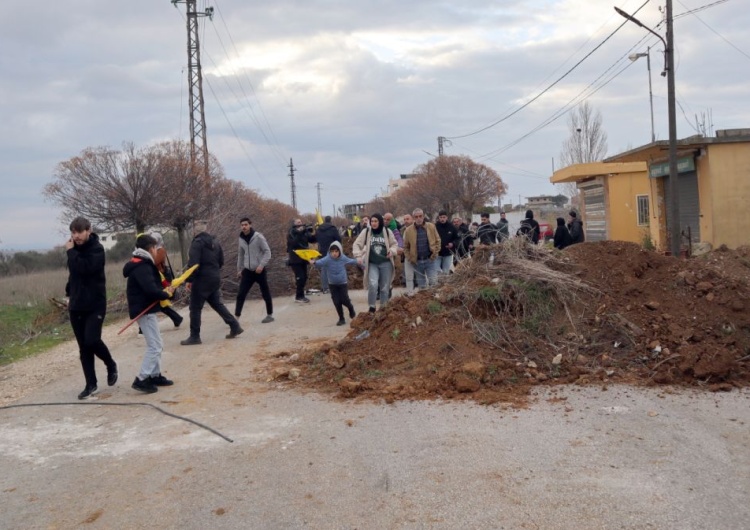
575 227
144 292
486 232
87 294
299 238
529 228
325 235
448 242
205 283
465 241
562 236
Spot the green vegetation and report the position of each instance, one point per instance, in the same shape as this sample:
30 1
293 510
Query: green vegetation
28 330
538 307
489 294
395 333
434 307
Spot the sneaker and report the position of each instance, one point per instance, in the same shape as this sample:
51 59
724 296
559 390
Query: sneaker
160 380
352 314
145 386
266 320
88 392
191 340
341 322
302 300
235 332
112 376
372 309
178 321
325 291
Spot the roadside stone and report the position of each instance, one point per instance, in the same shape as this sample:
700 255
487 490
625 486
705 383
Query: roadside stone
349 386
653 305
474 369
704 286
465 384
335 359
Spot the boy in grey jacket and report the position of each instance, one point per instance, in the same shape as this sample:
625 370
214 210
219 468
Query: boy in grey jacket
335 265
253 255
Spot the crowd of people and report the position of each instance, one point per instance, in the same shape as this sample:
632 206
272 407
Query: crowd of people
426 249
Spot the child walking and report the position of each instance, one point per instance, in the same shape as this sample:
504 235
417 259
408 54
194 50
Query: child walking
143 289
335 265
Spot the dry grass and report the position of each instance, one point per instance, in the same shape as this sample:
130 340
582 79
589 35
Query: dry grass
39 287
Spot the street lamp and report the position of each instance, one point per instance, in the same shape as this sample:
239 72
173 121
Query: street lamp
673 206
647 55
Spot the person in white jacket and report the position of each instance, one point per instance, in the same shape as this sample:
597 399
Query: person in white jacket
376 247
253 256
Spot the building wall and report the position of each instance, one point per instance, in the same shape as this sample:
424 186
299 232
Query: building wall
622 214
727 212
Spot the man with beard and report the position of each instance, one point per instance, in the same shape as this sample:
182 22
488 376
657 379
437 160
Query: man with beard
299 238
253 255
575 227
448 239
421 248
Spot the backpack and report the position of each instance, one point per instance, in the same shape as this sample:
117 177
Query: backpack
525 230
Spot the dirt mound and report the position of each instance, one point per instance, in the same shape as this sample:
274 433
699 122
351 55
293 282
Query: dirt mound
596 313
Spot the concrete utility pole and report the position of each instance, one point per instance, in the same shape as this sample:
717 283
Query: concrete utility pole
294 186
675 232
198 145
673 188
320 204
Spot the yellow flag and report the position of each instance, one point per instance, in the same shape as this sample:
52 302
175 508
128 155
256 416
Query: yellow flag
179 281
307 253
320 217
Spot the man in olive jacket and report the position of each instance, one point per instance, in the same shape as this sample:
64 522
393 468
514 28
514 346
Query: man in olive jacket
205 283
421 248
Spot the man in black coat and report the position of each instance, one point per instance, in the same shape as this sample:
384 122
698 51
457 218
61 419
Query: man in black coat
487 232
325 235
465 241
299 238
562 236
529 228
575 227
205 283
448 242
87 294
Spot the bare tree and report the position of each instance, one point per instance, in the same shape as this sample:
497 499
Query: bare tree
453 183
586 142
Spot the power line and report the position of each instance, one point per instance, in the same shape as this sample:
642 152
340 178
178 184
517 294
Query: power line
694 11
519 109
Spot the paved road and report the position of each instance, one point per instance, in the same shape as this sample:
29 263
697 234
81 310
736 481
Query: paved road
577 458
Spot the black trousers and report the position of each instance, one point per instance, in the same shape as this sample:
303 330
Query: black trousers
198 298
246 283
300 278
340 297
87 327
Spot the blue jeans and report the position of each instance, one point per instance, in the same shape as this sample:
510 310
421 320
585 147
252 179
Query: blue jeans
151 364
445 263
379 277
426 270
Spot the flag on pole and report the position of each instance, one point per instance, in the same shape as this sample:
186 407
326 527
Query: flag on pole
308 253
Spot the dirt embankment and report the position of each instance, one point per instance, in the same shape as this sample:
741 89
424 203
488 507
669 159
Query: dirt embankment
596 313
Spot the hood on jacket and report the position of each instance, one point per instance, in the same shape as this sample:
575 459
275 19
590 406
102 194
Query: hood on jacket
529 214
337 244
560 221
140 257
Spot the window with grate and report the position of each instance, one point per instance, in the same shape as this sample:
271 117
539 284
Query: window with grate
642 202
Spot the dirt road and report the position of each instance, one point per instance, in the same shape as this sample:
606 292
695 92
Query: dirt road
575 458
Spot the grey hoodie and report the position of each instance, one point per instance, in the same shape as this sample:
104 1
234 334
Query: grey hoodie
336 267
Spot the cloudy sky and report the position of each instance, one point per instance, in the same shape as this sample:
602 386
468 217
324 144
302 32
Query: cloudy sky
355 92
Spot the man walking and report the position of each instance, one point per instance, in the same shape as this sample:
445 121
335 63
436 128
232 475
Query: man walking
487 232
299 238
325 235
575 227
253 255
87 294
448 242
205 283
503 228
421 248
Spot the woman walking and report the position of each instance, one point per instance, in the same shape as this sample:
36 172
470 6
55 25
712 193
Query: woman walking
375 247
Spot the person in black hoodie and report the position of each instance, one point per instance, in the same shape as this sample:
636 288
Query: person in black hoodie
562 236
299 238
144 291
529 228
575 227
205 283
325 235
87 294
465 240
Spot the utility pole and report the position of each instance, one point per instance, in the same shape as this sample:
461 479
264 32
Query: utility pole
675 234
198 145
294 187
440 145
320 205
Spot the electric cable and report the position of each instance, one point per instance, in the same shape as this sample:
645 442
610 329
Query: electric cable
694 11
540 94
170 414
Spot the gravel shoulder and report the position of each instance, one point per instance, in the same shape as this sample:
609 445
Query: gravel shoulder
576 457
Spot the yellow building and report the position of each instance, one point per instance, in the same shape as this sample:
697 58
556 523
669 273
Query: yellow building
624 196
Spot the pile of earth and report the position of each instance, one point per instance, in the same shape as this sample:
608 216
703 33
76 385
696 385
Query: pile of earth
513 317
